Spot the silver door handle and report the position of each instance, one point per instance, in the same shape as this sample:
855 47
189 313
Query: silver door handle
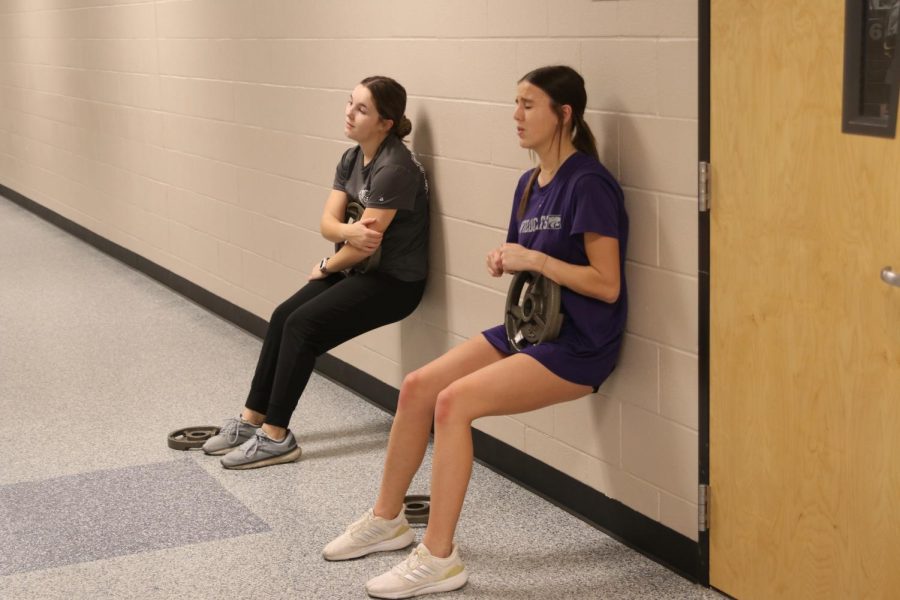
889 277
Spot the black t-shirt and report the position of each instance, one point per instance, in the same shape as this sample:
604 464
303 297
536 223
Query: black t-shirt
394 179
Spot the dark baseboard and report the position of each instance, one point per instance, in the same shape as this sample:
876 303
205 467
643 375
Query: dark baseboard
649 537
225 309
373 390
641 533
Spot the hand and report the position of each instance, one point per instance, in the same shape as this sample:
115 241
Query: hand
515 258
494 266
316 273
361 236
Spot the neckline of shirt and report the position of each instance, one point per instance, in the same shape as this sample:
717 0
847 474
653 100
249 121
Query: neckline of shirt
378 152
559 171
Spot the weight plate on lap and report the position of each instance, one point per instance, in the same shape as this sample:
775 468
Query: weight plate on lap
191 437
352 214
532 310
417 508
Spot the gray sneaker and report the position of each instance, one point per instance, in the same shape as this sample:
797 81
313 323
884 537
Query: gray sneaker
262 451
233 433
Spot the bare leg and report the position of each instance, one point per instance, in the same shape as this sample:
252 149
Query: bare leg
256 418
415 412
251 416
517 384
274 431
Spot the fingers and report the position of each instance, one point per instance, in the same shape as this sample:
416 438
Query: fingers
503 256
363 238
370 234
494 263
513 257
508 259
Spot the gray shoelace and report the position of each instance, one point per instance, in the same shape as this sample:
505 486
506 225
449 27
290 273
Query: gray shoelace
231 428
253 444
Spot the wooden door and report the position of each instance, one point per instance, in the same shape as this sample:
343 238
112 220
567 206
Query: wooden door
804 334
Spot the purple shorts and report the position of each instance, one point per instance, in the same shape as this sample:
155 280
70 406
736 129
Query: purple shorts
562 357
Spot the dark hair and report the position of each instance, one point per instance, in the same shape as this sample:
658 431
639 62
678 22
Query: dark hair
390 102
564 86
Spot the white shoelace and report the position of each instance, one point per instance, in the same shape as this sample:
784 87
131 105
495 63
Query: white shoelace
412 562
361 524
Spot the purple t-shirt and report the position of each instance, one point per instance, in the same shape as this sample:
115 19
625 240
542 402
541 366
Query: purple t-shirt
583 197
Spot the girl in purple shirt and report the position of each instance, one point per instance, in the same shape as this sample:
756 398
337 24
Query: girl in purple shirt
569 224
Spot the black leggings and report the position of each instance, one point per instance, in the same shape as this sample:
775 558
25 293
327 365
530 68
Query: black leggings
323 314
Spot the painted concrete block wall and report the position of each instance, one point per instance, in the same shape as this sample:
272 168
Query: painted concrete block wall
203 135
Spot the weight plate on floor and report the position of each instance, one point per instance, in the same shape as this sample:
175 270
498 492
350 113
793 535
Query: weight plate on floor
191 437
352 214
532 310
417 508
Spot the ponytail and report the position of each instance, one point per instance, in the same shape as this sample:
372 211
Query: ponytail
583 138
402 127
523 203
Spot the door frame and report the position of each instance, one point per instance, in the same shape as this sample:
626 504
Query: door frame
703 256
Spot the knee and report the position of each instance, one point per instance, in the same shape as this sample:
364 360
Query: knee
279 316
450 407
302 334
416 394
299 325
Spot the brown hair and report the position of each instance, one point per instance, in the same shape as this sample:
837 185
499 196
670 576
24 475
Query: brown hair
390 102
564 86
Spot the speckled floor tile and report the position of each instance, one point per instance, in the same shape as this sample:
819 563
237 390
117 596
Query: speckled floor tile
103 514
100 363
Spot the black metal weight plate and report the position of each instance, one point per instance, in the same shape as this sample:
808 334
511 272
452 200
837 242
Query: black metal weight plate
191 437
352 214
532 310
417 508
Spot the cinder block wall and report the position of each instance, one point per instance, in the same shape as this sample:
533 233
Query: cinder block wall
203 135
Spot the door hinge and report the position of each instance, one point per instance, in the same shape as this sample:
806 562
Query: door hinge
703 507
703 187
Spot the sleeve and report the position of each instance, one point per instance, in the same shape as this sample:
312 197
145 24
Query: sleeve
595 207
344 166
393 186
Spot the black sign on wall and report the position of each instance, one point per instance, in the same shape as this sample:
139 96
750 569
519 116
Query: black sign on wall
871 67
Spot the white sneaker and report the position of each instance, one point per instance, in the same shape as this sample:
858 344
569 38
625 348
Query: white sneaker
419 574
370 534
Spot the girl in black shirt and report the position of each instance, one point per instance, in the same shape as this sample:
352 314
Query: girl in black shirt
337 304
